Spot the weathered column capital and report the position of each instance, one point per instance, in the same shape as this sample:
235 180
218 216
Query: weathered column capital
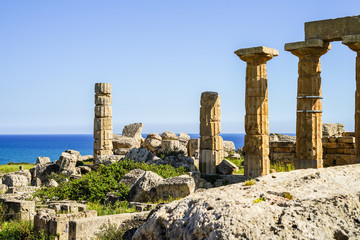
256 54
353 42
308 49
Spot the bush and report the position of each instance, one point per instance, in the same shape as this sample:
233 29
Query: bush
20 230
168 153
94 186
117 208
110 232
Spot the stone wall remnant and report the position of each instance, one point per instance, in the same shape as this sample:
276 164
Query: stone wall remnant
103 120
256 146
211 144
309 152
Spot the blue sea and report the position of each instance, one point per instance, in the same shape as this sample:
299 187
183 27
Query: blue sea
26 148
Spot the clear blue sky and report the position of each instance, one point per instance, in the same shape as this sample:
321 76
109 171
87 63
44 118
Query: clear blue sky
159 57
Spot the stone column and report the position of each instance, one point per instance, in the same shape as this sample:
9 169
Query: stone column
309 151
103 120
353 42
211 145
256 147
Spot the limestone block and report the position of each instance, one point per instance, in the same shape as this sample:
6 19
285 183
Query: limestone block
175 187
210 114
103 88
229 146
246 54
257 105
338 159
226 167
103 99
120 141
350 151
42 160
170 145
193 146
210 129
18 209
283 149
346 139
133 130
107 159
103 124
282 144
103 111
103 152
348 134
184 138
15 180
255 166
311 43
282 157
67 162
332 29
121 151
333 129
132 177
257 124
103 134
167 135
257 145
211 143
140 191
210 99
152 142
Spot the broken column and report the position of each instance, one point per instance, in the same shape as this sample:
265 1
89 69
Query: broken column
309 152
353 42
256 145
103 120
211 145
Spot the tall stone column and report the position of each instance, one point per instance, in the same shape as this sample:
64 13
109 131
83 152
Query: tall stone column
211 145
309 151
353 42
257 162
103 120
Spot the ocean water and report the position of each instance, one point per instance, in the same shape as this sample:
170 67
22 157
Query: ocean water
26 148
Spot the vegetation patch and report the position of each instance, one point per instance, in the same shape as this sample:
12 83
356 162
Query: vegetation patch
260 199
13 167
168 153
238 163
287 195
94 185
110 231
110 209
281 167
21 230
249 182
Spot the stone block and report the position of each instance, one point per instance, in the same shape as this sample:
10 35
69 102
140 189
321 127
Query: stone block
42 160
193 146
18 209
210 114
210 129
246 54
257 105
211 143
226 167
209 159
103 134
103 99
210 99
312 43
338 159
102 111
86 228
133 130
167 135
256 85
103 152
257 124
103 88
348 139
309 149
282 144
332 29
175 187
348 134
283 149
333 129
283 157
350 151
103 124
255 165
170 145
102 144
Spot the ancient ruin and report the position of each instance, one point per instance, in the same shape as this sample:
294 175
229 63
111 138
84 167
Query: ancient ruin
211 145
257 161
103 120
318 36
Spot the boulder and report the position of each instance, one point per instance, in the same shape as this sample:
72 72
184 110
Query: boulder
73 152
15 180
183 142
170 145
84 169
167 135
132 177
107 159
181 161
133 130
140 191
234 156
333 129
152 142
25 173
226 167
42 160
229 146
42 170
120 141
67 161
121 151
301 204
174 187
52 183
140 155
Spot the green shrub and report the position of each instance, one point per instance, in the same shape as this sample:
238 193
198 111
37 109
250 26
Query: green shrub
110 232
168 153
249 182
117 208
260 199
288 195
94 186
20 230
281 167
58 177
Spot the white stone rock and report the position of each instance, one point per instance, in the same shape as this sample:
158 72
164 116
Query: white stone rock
167 135
67 161
42 160
140 191
175 187
133 130
139 155
229 146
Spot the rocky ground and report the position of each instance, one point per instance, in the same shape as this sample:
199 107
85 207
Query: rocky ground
302 204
